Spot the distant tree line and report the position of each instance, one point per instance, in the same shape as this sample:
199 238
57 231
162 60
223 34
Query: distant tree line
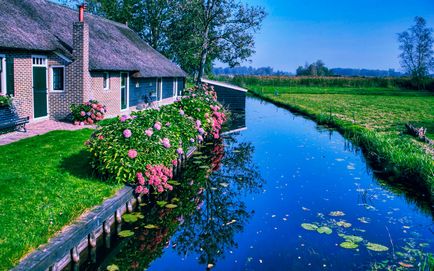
192 33
365 72
242 70
317 68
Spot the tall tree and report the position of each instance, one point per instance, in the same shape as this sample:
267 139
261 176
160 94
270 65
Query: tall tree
193 33
207 30
416 45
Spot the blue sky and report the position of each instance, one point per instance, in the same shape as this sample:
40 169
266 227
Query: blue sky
350 34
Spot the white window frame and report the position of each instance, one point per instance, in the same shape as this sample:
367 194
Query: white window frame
160 94
41 61
175 87
3 86
128 91
52 78
108 81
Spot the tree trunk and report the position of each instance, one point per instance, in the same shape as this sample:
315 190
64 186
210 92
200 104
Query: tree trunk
203 56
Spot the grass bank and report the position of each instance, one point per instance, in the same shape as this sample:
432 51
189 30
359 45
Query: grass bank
373 118
45 184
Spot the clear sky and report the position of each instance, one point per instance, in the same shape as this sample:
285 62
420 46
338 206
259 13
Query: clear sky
343 33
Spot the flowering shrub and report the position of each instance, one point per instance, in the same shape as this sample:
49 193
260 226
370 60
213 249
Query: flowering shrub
141 149
5 100
88 113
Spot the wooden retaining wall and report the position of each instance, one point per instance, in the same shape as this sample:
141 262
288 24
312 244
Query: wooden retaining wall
67 246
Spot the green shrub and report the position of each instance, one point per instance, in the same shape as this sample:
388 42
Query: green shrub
141 149
87 113
5 100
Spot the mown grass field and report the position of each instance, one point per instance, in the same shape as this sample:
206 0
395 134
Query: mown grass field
45 184
373 118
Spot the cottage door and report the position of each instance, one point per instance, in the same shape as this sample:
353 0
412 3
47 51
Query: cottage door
40 102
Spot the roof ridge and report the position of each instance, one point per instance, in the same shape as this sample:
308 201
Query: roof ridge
98 17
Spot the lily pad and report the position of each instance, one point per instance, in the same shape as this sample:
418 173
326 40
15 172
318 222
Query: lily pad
348 245
351 238
133 217
129 218
336 213
161 203
151 226
376 247
126 233
224 184
324 229
171 206
309 227
112 267
364 220
343 223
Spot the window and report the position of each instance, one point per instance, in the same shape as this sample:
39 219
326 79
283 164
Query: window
2 74
106 80
58 78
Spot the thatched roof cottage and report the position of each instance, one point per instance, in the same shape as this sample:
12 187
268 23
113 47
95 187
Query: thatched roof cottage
52 56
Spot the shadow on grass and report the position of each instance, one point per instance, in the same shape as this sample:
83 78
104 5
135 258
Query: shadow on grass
79 166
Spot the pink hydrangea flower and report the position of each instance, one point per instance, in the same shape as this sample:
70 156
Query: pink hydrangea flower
166 143
201 131
123 118
157 126
127 133
149 132
139 189
168 124
175 162
145 191
198 123
179 151
181 112
132 153
82 113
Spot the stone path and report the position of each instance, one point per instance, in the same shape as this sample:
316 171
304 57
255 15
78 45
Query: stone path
39 128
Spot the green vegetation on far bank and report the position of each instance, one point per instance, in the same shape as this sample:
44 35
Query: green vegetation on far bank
374 118
45 184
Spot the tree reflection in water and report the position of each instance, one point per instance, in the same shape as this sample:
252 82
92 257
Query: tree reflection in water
210 232
209 209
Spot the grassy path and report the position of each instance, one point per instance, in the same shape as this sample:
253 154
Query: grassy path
374 118
45 184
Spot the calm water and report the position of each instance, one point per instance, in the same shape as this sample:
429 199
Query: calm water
241 204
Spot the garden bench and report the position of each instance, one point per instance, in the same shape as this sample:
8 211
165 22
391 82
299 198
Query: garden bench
9 119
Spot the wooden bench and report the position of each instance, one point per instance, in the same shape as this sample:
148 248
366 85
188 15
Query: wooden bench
9 120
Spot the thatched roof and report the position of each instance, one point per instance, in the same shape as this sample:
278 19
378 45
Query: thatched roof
39 25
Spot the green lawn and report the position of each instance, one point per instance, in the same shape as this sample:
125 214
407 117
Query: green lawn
45 183
374 118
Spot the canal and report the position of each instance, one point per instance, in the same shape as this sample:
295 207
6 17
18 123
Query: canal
280 193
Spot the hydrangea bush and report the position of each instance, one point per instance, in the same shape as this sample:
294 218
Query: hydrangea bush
142 149
88 113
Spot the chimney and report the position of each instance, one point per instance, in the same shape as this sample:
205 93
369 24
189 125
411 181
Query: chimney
81 9
81 79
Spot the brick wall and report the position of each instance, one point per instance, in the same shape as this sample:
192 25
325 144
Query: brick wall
23 82
111 97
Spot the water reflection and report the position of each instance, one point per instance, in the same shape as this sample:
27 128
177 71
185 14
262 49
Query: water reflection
321 203
208 211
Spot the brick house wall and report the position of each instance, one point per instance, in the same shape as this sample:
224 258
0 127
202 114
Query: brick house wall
111 98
